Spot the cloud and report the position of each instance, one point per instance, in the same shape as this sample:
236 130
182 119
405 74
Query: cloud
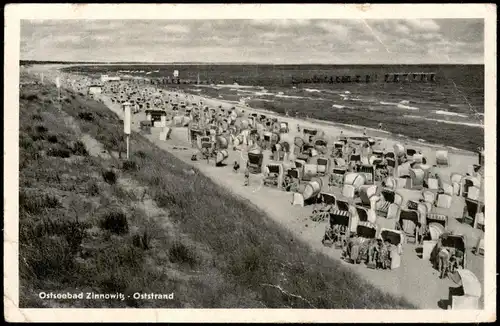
423 25
280 22
402 29
338 30
270 41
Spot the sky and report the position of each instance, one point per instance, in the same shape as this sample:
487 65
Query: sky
278 41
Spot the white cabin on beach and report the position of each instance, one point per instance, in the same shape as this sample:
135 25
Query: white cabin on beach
106 78
95 89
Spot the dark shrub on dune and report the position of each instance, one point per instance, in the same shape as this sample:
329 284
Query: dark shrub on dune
36 117
52 139
37 204
41 129
59 152
79 149
180 253
87 116
115 222
130 166
109 176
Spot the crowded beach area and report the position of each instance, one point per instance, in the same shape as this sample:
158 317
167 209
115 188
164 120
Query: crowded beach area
407 216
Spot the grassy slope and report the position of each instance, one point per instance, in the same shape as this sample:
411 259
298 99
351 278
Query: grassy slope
244 250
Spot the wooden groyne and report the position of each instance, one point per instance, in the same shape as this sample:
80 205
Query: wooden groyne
410 77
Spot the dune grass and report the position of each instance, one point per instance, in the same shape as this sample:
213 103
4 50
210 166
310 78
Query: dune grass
238 256
79 231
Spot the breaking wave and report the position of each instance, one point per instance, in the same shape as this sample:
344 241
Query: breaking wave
444 112
469 124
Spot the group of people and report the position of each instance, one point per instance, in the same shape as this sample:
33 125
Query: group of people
375 252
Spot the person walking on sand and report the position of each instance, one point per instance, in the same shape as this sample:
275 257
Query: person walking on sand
364 131
444 256
380 125
247 176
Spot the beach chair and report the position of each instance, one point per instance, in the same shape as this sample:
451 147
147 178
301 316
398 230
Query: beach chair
355 179
369 172
343 205
467 182
444 201
447 188
429 196
473 193
305 154
310 193
442 158
410 152
340 162
337 177
403 182
298 144
295 177
391 163
355 158
378 153
310 171
338 149
390 155
348 191
418 158
366 214
456 182
467 295
471 209
220 157
273 175
436 225
380 205
410 224
396 239
398 198
300 166
255 162
366 193
338 230
357 247
433 184
326 203
479 248
284 127
323 166
417 178
364 160
321 146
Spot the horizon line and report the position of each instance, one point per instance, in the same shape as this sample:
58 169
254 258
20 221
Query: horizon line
236 63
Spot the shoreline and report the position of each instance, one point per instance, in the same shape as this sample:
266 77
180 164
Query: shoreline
357 130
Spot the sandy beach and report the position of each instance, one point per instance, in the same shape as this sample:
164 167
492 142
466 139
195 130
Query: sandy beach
415 279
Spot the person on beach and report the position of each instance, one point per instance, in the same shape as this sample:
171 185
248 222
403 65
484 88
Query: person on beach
456 261
247 176
364 131
444 256
380 125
